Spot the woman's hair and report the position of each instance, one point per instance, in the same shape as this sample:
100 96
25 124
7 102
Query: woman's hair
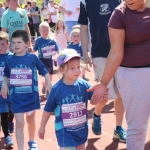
21 33
1 4
56 27
51 34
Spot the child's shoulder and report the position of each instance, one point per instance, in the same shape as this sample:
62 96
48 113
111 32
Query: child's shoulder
83 82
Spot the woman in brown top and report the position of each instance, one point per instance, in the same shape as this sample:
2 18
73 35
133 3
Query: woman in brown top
129 32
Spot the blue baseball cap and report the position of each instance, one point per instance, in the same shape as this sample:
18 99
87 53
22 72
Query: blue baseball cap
65 55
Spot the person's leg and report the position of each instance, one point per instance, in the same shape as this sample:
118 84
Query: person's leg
4 121
19 117
30 118
99 64
31 126
133 86
83 75
10 120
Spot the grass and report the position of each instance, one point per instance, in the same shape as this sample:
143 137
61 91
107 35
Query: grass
38 2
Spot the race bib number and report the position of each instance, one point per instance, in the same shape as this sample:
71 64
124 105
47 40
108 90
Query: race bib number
1 73
73 114
21 77
48 51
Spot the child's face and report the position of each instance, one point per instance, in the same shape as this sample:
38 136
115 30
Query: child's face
13 3
3 46
19 46
71 71
60 25
75 38
44 32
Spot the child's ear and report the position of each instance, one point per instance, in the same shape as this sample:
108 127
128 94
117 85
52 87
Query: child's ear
27 44
8 45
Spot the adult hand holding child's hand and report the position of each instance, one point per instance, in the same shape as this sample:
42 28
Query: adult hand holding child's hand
100 93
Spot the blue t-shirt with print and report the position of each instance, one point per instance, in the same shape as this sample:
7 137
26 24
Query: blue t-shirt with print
46 47
64 96
77 47
3 58
22 71
96 15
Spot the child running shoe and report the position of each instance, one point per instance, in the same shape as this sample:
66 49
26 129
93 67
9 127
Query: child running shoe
11 127
97 125
120 134
9 142
32 145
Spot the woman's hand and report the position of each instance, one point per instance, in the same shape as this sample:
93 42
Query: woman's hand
100 93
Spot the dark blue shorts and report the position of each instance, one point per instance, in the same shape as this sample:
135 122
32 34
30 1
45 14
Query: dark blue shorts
48 63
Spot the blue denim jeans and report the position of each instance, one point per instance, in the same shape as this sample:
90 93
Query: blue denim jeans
36 29
69 25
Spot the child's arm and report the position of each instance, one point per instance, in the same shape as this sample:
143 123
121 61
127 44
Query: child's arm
48 83
44 120
5 89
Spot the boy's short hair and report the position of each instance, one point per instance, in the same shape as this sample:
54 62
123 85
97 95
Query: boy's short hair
21 33
76 30
76 27
4 36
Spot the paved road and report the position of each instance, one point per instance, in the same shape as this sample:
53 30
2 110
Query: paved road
102 142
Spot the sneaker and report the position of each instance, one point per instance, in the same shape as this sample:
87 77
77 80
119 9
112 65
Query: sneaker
11 127
32 145
120 134
97 125
9 142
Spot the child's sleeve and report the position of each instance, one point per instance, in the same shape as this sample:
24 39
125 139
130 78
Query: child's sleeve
51 103
4 22
39 65
6 70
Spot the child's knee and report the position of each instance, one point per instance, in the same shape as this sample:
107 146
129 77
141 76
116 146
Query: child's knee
20 124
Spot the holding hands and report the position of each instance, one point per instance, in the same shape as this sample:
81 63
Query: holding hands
100 93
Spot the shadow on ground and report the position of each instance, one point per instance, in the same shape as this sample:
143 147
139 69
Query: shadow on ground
90 144
2 144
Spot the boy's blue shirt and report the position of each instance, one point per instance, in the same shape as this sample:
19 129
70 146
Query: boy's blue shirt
46 44
64 95
23 69
77 47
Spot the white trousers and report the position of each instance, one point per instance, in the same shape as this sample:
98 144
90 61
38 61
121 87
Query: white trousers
134 88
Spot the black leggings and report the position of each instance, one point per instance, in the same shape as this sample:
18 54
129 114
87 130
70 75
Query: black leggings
10 116
4 122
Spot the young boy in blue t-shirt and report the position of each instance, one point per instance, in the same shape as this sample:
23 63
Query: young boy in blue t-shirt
4 103
76 45
22 68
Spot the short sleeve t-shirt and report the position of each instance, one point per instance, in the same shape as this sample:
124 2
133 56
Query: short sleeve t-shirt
76 47
3 58
22 71
71 101
14 20
137 34
71 5
46 47
96 15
